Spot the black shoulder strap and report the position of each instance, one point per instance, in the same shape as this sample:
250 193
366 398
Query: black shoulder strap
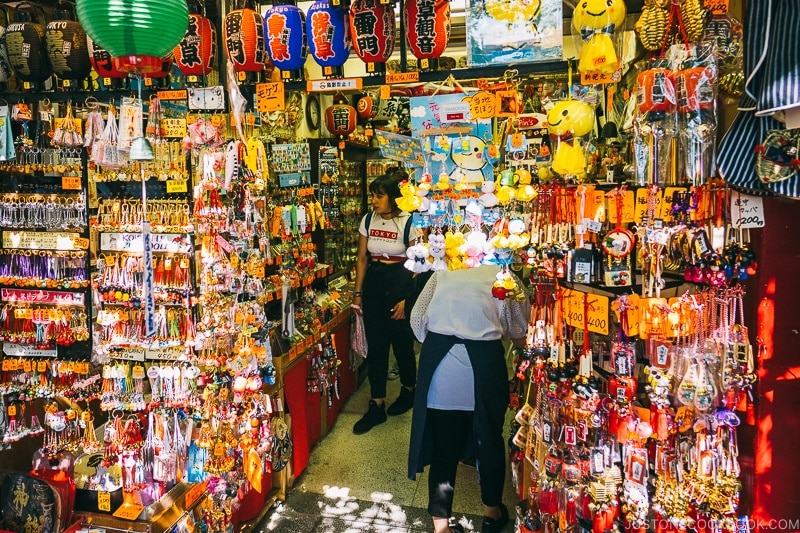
407 231
367 220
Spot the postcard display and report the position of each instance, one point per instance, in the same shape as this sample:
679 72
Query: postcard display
148 370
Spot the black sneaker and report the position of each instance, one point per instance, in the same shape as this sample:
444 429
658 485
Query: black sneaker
375 415
403 403
495 525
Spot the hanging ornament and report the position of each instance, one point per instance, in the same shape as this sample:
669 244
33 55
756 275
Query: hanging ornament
101 61
594 24
340 119
136 34
568 121
27 50
287 43
196 53
428 27
243 33
372 30
328 37
367 107
66 45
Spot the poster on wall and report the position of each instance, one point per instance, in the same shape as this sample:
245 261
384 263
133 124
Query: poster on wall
513 31
455 143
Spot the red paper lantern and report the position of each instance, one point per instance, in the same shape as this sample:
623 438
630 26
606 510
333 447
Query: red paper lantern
428 27
196 54
367 107
101 61
243 33
372 32
166 67
340 119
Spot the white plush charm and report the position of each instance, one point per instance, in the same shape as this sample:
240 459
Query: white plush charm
417 258
437 247
488 198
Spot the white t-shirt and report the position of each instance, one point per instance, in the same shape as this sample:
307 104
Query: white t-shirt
386 236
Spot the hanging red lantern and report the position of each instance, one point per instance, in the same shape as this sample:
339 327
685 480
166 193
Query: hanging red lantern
428 30
287 43
340 119
372 32
367 107
166 67
101 61
328 37
243 33
196 54
66 45
27 50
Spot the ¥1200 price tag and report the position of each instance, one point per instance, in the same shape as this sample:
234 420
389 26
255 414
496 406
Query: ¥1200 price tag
747 211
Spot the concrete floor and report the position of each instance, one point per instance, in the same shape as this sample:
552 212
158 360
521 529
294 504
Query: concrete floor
358 483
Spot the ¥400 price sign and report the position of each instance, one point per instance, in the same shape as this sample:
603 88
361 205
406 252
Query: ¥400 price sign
596 313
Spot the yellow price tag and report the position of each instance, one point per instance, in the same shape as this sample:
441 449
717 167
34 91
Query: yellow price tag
598 78
104 501
628 208
717 7
174 127
71 183
385 92
129 511
81 242
574 308
194 493
270 97
176 186
12 410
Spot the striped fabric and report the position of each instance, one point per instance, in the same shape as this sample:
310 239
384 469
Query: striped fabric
771 40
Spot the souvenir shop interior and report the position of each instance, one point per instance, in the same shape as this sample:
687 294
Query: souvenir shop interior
181 190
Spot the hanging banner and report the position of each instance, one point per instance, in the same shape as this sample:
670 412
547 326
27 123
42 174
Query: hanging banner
401 148
503 32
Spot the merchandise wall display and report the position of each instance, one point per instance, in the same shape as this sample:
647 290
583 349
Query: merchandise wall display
174 272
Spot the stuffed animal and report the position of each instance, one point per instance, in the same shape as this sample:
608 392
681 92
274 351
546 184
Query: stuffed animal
437 250
474 249
408 201
417 258
488 198
453 241
567 121
596 21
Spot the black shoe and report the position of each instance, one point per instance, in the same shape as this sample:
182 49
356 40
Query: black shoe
457 528
375 415
403 403
495 525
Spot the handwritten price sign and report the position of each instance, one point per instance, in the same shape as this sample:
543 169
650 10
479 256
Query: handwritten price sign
269 97
717 7
574 308
174 127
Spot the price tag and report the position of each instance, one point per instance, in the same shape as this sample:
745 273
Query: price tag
180 94
717 7
80 242
270 97
598 78
402 77
174 127
12 410
176 186
747 211
194 493
385 92
71 183
104 501
129 511
598 311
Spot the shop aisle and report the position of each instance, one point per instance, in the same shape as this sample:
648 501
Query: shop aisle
356 483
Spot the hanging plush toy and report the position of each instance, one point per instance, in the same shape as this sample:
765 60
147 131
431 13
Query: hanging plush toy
408 201
596 21
437 250
568 121
418 258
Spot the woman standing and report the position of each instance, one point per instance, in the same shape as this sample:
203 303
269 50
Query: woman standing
380 288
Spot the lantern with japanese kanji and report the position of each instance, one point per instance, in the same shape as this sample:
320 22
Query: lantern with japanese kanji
367 107
287 44
136 34
27 50
102 63
66 46
328 37
372 32
428 30
243 33
196 54
340 119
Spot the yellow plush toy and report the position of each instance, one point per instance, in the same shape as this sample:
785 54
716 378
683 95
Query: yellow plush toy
567 121
596 21
408 201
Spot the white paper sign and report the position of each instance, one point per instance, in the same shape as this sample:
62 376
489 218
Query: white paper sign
747 211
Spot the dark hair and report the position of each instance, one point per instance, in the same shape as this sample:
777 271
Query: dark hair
389 184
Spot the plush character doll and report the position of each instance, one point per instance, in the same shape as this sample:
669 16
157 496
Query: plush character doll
437 251
417 258
567 121
474 249
596 21
408 201
453 241
488 198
